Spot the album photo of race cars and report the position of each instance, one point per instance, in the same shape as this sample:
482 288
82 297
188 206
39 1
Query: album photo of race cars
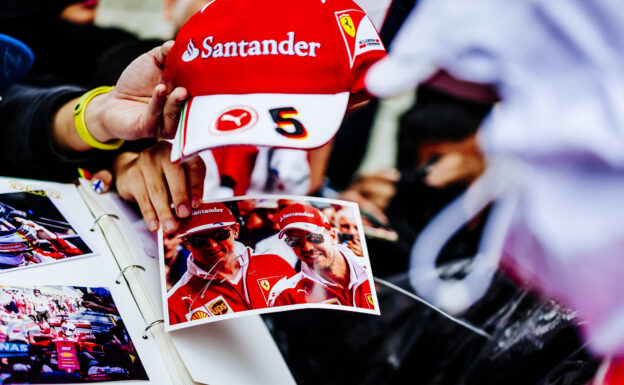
253 255
33 232
63 334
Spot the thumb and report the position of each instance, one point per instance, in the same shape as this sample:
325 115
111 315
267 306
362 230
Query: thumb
101 181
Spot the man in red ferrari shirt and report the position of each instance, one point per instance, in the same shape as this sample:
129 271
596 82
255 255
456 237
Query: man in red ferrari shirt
219 279
330 273
213 283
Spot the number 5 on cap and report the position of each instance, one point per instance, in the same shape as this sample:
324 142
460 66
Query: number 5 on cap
287 125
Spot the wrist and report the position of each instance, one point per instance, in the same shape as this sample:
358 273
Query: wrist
90 121
94 118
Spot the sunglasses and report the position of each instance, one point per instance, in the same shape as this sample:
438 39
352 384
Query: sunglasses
297 241
197 240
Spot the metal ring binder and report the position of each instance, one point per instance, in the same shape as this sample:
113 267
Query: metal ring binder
150 326
123 271
101 217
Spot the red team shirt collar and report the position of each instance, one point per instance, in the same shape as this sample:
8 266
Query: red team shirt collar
242 254
357 273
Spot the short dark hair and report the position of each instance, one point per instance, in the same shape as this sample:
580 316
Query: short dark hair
437 116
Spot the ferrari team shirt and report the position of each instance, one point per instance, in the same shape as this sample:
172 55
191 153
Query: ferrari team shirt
199 294
308 286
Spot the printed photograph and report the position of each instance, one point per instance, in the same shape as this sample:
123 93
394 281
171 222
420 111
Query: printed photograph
63 334
266 254
33 232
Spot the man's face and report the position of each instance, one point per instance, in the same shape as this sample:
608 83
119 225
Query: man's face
347 225
348 234
179 11
210 247
316 250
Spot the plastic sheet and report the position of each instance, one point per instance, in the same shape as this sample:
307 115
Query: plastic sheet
533 341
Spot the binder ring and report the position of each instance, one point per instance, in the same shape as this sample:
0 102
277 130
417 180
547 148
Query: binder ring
101 217
121 274
159 321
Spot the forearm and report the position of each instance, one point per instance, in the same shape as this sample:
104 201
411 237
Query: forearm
27 146
64 134
319 158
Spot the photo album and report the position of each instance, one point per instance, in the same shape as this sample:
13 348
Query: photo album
80 300
88 294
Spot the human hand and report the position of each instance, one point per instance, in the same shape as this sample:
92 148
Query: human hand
455 162
373 191
149 178
144 103
353 242
100 308
455 167
42 232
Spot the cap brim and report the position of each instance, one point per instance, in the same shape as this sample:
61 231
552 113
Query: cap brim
302 226
207 226
300 121
392 76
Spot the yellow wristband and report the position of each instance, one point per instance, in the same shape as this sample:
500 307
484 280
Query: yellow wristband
81 125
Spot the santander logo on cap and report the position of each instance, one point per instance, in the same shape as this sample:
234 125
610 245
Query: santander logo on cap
296 214
294 66
191 52
207 217
244 48
304 217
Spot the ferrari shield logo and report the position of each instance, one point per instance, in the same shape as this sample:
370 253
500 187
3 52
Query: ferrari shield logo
347 24
199 315
265 284
370 300
358 32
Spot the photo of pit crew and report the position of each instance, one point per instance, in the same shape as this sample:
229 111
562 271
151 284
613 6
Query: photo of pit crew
257 255
63 334
33 231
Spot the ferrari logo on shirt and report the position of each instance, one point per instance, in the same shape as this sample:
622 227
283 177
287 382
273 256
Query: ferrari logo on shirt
358 33
219 306
347 24
370 300
266 284
200 314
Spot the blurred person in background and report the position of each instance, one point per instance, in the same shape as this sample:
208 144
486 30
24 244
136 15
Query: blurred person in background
66 43
347 230
261 221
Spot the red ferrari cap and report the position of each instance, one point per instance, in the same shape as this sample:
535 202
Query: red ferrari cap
277 73
207 217
302 217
